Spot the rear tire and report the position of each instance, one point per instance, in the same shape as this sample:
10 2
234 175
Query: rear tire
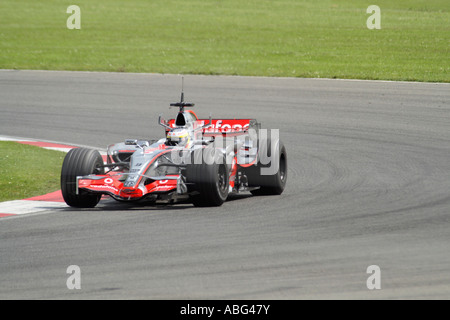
269 184
211 180
80 162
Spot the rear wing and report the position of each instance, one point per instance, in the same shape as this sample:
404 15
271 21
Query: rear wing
223 126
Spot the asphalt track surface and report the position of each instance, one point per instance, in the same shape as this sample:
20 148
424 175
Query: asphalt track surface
368 184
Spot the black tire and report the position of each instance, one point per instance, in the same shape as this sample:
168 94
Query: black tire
210 179
269 184
80 162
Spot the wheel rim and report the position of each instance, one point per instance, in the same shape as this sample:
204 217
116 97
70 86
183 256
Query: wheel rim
222 179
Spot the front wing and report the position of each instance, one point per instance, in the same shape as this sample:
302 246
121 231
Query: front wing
109 185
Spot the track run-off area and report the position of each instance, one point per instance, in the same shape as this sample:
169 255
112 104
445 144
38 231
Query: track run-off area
368 185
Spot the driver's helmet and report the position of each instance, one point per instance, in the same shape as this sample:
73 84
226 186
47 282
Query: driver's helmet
177 137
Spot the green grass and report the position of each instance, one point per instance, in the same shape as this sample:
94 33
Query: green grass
27 171
291 38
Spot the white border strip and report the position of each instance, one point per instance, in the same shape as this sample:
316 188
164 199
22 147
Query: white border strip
21 207
227 76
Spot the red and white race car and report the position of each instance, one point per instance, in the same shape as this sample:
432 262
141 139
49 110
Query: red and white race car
201 160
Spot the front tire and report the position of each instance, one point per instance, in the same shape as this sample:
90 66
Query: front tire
80 162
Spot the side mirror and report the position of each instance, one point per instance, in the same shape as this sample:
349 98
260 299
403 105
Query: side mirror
163 123
205 126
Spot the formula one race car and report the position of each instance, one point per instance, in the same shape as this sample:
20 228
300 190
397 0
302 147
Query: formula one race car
199 160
